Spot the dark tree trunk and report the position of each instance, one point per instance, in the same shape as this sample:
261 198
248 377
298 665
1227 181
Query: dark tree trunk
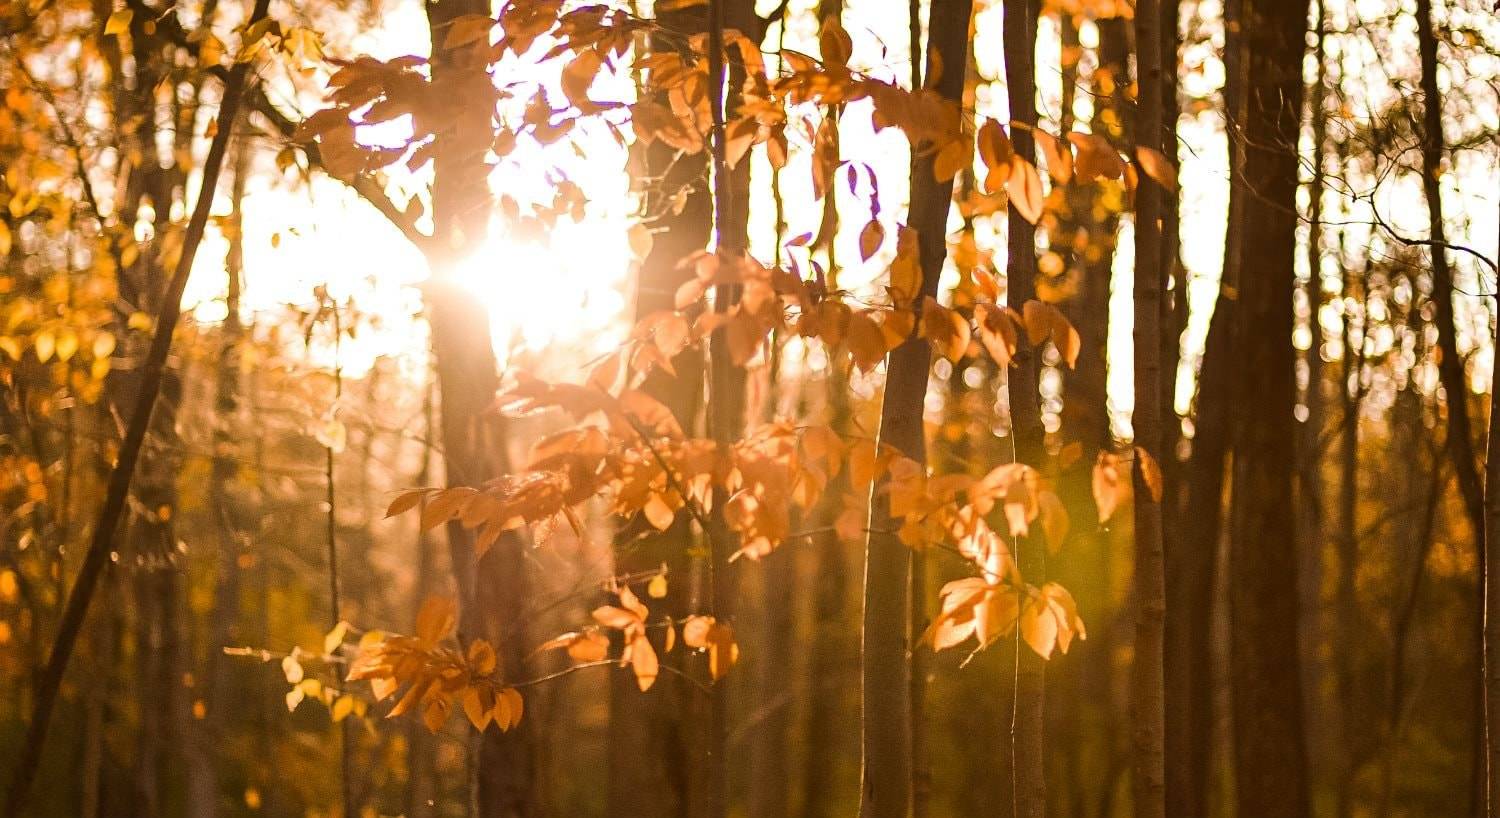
1148 782
1270 756
886 784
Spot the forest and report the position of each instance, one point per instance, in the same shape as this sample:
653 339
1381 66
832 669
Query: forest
745 409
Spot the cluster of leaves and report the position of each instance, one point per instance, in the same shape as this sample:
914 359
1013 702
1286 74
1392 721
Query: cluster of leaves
672 106
436 673
632 619
628 450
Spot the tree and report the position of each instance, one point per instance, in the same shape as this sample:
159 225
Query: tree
1149 779
1270 757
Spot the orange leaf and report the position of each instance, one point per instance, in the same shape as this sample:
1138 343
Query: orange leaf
946 329
1025 189
1097 158
870 239
1157 166
1059 156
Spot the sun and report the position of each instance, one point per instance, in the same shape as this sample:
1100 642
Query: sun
559 299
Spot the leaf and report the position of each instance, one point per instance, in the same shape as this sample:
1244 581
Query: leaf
1036 317
995 150
335 638
950 160
475 708
342 707
641 241
870 239
444 506
118 23
1025 189
658 513
1039 627
946 329
405 501
43 345
481 657
434 714
997 332
1150 472
466 29
705 632
1059 155
1157 166
1106 485
436 618
1055 521
1097 158
644 663
865 341
510 699
67 344
834 42
291 668
657 587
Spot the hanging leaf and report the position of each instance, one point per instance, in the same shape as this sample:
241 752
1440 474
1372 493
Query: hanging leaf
1025 189
1157 166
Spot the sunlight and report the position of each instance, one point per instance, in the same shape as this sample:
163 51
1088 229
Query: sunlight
562 295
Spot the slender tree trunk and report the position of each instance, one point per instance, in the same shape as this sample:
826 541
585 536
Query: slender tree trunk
1490 763
917 618
1270 757
886 785
1147 735
493 590
1029 790
1460 440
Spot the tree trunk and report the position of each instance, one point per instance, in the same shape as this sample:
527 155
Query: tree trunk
1148 782
1460 440
1270 756
1490 763
886 785
1029 790
493 590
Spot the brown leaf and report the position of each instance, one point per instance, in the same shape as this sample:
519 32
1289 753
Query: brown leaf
1157 166
946 329
1097 158
997 331
834 42
1058 154
870 239
950 160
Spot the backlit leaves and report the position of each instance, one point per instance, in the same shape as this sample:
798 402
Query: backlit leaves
435 674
